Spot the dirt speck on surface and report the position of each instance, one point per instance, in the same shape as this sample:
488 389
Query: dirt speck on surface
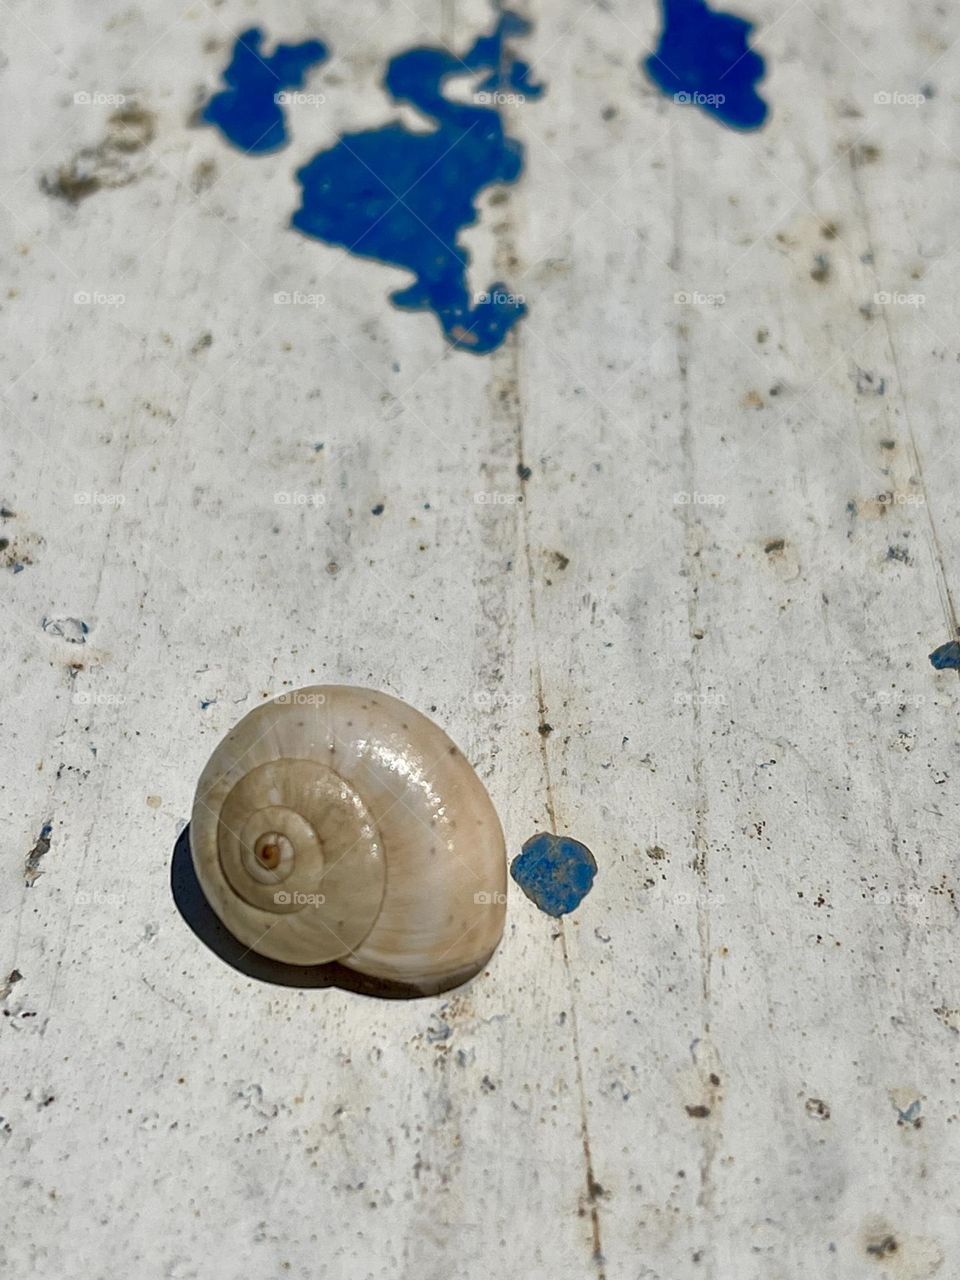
864 153
129 130
203 177
9 982
821 269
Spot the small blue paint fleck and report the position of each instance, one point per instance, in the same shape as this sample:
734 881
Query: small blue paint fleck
248 113
401 197
947 657
555 872
911 1115
703 57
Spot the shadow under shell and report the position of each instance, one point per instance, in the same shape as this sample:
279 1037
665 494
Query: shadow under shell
206 925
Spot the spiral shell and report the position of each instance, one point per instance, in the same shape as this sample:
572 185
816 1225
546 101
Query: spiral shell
338 823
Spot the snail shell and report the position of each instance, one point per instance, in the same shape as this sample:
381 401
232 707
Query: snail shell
337 823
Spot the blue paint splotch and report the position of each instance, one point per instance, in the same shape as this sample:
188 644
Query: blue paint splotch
248 112
703 57
401 197
947 657
555 872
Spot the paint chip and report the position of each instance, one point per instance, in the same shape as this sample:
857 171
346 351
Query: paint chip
947 657
555 872
73 630
31 870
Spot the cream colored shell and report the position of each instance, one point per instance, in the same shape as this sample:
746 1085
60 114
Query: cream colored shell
337 823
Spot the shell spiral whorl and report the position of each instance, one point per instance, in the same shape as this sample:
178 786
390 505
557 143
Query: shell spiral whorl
337 823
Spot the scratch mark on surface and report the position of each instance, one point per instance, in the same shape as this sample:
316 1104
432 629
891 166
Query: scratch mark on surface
511 405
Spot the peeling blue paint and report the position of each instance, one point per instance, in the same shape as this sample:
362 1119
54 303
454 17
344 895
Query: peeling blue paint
911 1115
947 657
401 197
247 112
703 58
555 872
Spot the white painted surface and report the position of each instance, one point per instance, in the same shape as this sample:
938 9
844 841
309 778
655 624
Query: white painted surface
765 717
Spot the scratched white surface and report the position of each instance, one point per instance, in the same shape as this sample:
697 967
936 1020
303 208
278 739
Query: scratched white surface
739 1058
